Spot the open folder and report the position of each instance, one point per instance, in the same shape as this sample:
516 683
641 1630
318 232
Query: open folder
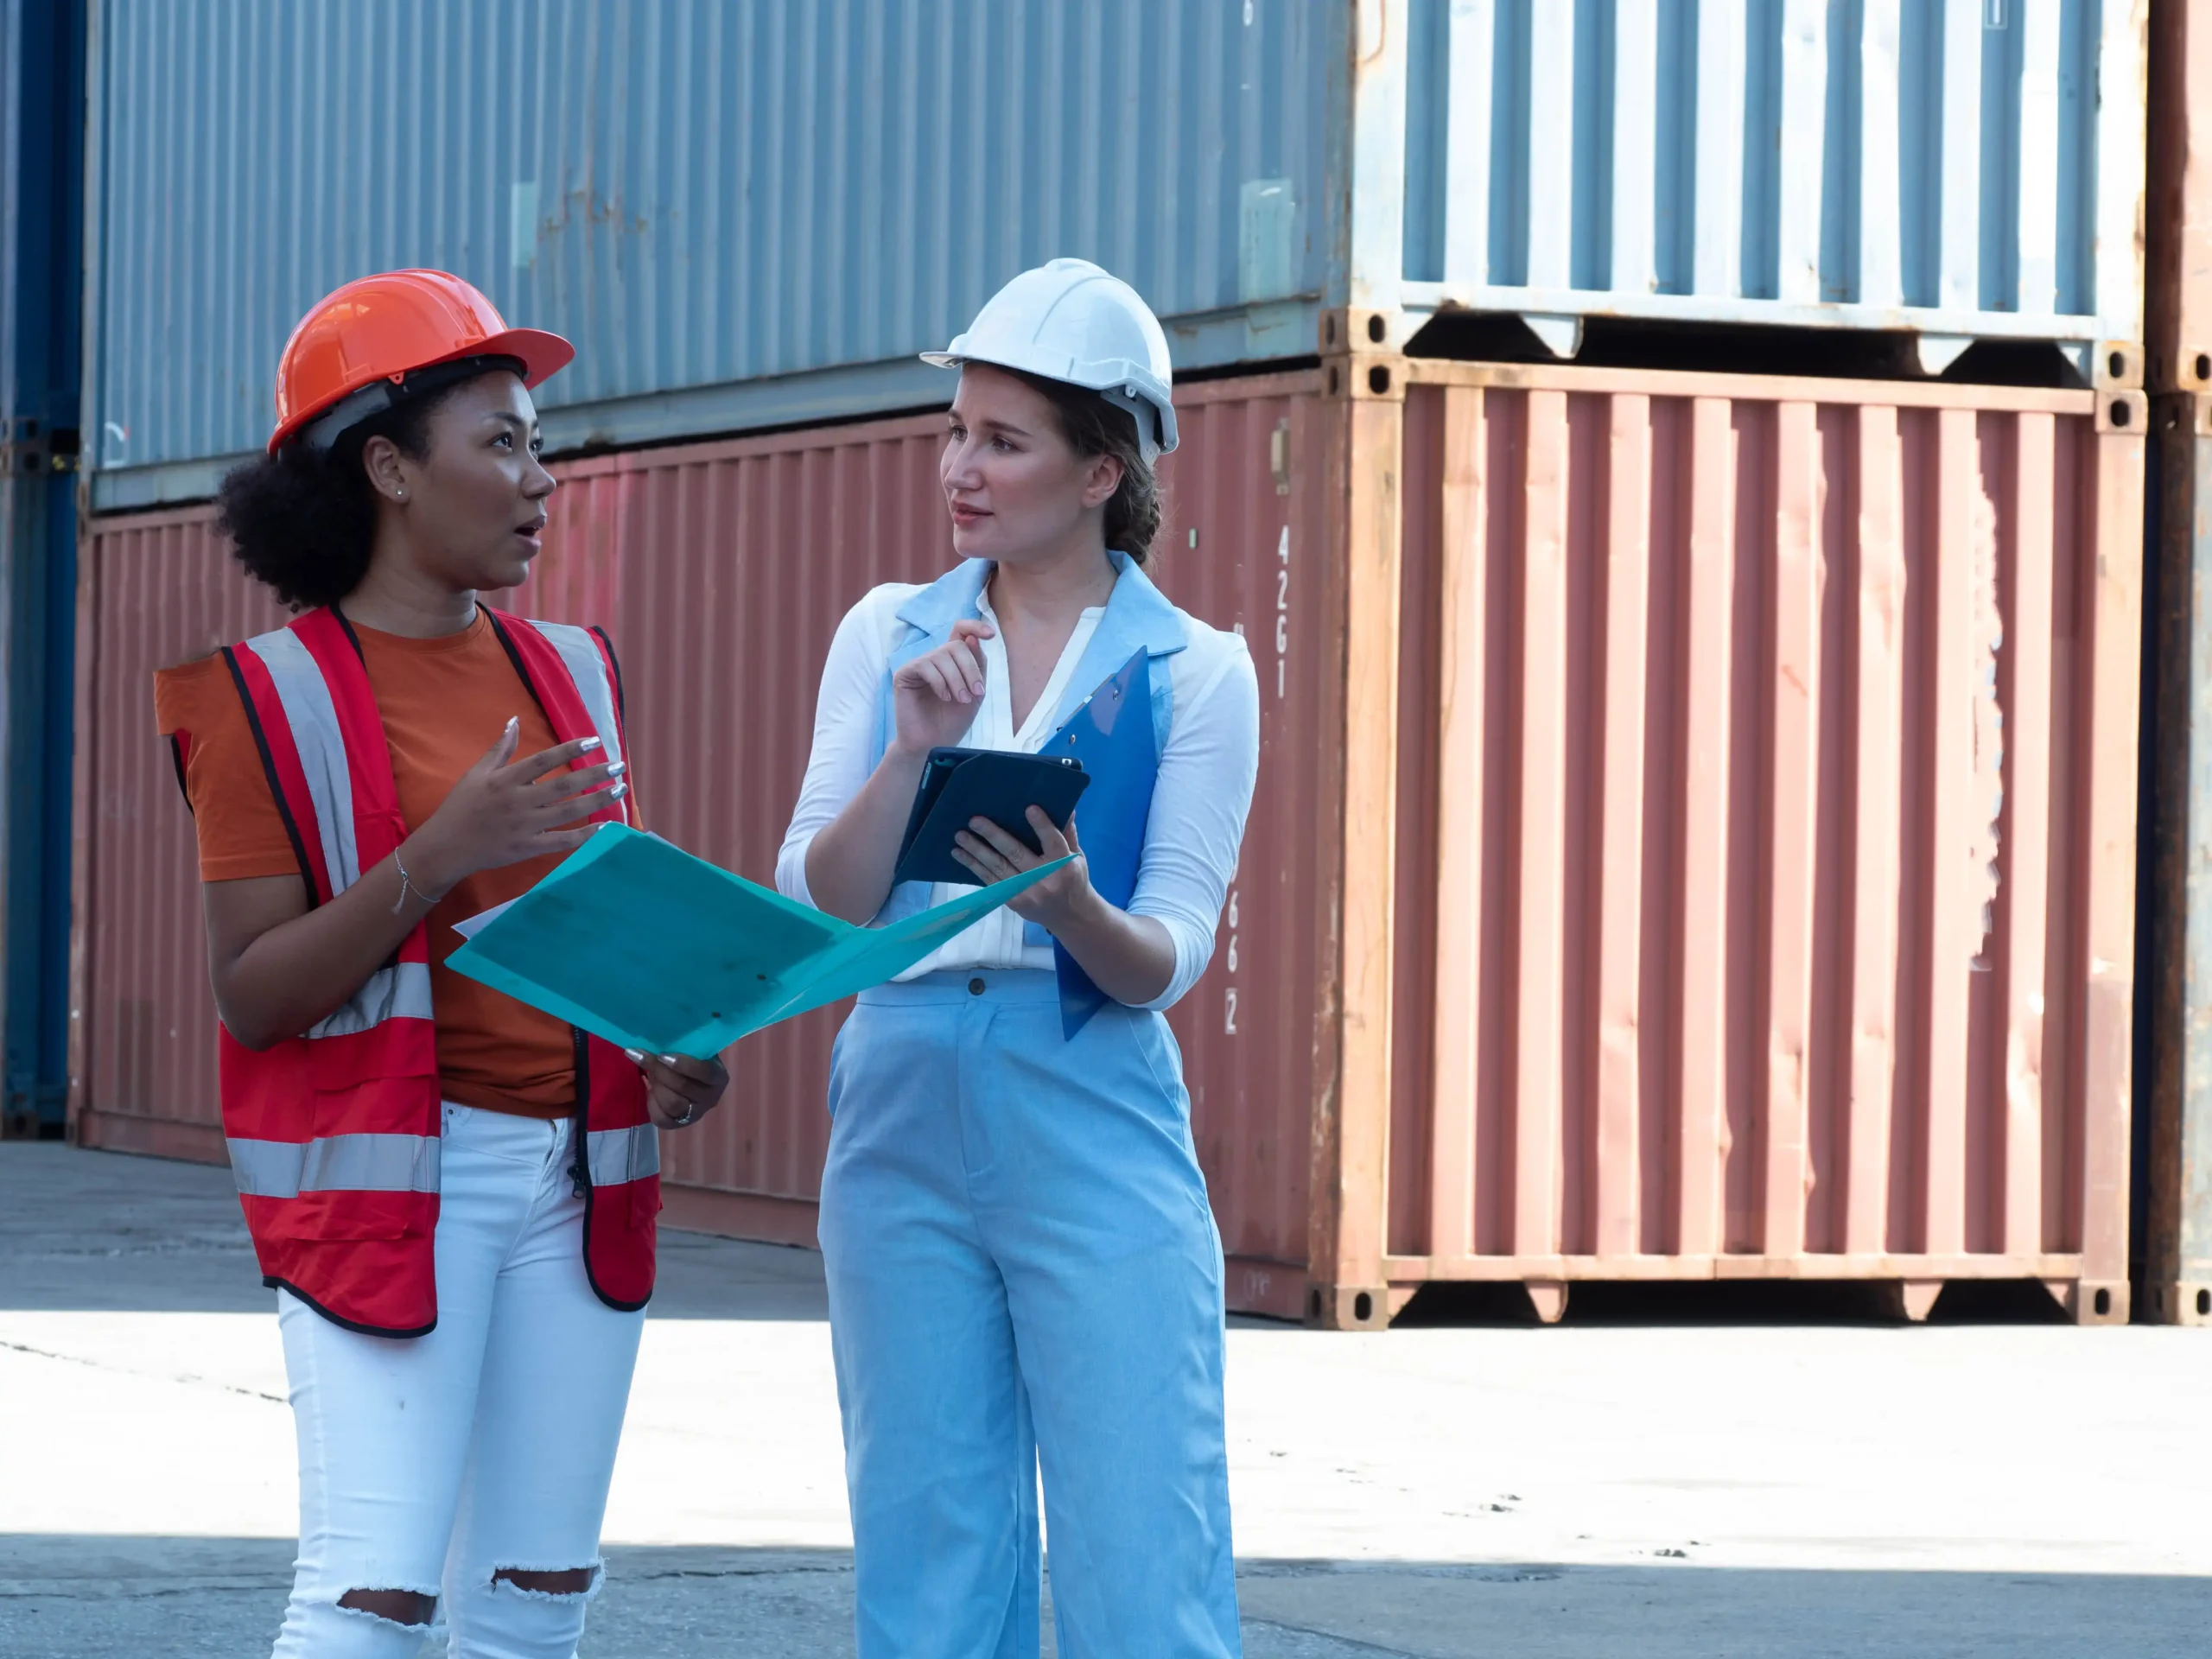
637 941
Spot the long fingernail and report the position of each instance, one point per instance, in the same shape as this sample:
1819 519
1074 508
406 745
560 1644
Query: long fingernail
636 1057
616 768
668 1059
513 720
619 790
589 744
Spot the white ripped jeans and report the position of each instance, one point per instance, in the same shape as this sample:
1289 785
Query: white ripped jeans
434 1464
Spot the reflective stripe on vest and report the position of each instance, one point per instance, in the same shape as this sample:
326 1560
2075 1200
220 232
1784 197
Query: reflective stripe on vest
399 992
336 1163
321 745
580 654
620 1156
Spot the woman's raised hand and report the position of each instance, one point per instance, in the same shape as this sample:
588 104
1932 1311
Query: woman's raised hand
504 810
933 698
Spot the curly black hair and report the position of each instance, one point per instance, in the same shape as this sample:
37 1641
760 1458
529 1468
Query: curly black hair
1094 427
304 521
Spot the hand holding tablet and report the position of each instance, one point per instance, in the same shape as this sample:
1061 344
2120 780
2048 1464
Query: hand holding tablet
959 785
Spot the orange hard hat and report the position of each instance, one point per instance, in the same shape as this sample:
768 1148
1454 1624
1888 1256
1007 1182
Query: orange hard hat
384 328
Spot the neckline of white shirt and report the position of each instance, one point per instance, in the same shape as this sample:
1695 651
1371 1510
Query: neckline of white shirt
1000 688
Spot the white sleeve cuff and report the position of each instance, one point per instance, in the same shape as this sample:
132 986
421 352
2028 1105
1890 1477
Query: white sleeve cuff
791 870
1193 950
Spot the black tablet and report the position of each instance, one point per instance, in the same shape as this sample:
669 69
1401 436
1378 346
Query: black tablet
959 785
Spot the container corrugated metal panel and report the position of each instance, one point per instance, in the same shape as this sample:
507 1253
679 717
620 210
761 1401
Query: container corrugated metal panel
1965 169
41 123
1781 860
1252 483
2177 277
721 571
2174 1270
152 591
699 194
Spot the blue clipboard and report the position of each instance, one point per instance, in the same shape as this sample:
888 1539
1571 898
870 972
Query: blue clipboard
637 941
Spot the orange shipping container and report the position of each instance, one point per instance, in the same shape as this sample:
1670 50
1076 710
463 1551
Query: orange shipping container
1666 906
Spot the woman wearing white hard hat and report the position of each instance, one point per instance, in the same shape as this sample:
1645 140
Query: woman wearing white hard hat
1023 1266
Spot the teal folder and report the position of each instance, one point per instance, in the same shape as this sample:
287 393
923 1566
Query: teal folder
637 941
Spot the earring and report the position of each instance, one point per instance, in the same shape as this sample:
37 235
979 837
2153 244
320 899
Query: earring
399 495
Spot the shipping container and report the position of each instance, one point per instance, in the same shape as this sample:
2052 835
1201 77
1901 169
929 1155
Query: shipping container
2173 1241
1961 169
2174 1100
2178 273
1693 838
721 570
41 125
747 213
1766 856
753 214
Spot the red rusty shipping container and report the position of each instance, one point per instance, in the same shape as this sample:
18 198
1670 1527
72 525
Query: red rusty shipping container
153 590
1637 885
1766 882
721 569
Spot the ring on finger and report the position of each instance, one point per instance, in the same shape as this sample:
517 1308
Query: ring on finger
691 1111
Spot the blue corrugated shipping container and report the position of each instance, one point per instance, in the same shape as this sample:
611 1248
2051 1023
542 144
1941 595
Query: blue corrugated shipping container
41 117
745 213
753 212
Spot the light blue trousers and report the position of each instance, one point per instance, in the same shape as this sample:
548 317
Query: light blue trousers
1024 1273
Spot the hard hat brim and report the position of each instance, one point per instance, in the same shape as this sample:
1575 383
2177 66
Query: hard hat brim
1164 412
541 354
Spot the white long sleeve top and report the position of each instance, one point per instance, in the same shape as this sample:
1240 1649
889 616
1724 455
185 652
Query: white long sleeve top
1199 802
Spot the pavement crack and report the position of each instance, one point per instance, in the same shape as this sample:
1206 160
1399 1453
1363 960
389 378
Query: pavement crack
785 1570
160 1376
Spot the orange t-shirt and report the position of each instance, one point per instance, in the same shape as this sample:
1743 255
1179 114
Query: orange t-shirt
444 702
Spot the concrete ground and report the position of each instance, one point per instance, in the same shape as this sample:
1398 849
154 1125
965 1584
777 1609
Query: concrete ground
1667 1475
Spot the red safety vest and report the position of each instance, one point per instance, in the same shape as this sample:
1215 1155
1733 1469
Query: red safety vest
334 1133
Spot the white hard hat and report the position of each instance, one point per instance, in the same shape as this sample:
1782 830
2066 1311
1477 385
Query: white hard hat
1070 321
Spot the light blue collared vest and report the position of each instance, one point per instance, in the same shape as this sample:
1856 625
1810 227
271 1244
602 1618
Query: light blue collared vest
1140 626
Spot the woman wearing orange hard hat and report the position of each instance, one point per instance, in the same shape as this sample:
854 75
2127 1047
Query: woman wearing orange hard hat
452 1194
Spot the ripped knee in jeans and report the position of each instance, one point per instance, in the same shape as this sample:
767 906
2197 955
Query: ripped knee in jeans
394 1606
552 1583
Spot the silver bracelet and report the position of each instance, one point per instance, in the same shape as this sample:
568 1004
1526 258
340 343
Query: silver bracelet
406 884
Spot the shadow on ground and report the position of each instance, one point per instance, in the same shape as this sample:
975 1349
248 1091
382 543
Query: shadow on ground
106 1232
77 1598
1740 1302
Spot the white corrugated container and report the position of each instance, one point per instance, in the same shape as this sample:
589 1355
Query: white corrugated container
1961 169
